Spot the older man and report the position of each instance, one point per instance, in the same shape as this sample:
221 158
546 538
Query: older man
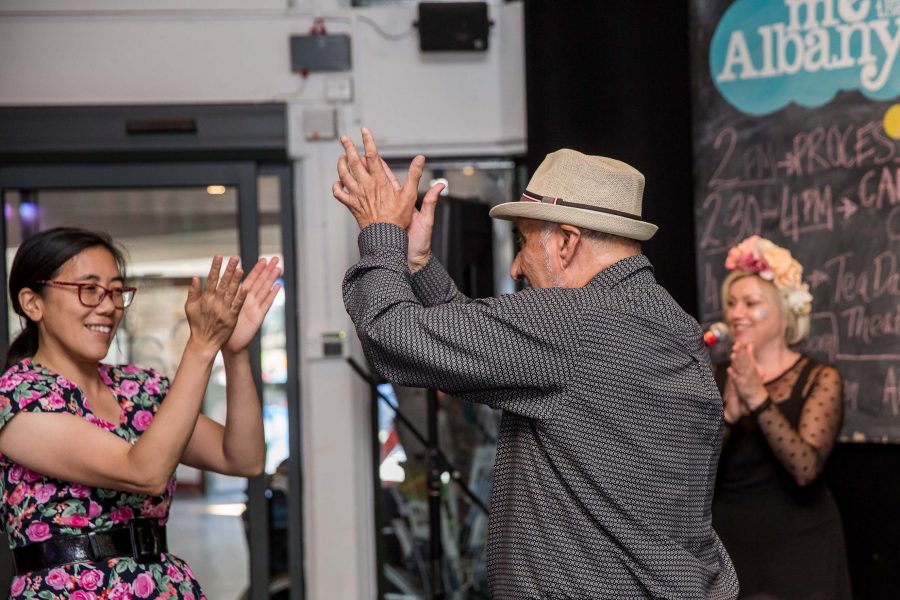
611 419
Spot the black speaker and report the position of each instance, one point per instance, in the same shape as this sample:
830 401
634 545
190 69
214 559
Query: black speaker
463 243
316 53
453 26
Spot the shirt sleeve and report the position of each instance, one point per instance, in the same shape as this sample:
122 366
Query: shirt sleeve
24 390
432 285
513 352
803 451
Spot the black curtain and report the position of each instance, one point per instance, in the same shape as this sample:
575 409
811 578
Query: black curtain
613 78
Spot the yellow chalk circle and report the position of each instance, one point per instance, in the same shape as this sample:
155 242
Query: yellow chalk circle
892 122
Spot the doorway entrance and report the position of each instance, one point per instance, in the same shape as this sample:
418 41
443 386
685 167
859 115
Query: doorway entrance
171 218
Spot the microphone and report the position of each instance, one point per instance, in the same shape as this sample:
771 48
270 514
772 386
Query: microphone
717 332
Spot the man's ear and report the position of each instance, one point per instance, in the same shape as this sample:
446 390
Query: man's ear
571 240
32 304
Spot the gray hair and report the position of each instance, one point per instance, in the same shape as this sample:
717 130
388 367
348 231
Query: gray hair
596 239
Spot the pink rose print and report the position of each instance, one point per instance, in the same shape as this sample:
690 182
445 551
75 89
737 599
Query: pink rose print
187 570
17 495
130 369
31 476
58 579
91 579
8 384
18 586
121 514
129 388
121 591
31 397
4 402
65 383
143 585
38 531
75 521
82 595
153 511
53 401
187 596
43 492
30 377
79 491
142 419
95 420
151 386
15 474
94 510
174 574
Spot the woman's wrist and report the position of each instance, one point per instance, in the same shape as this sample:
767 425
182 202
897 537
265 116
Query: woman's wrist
762 407
202 349
754 400
229 355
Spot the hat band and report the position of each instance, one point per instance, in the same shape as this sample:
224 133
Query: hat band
532 197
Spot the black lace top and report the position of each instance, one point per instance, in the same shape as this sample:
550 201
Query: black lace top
799 430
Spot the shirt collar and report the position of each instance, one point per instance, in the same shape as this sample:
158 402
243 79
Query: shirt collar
613 275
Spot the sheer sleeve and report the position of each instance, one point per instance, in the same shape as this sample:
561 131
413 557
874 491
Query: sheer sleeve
803 451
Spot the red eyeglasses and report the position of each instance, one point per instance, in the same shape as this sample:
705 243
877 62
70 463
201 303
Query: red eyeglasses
92 294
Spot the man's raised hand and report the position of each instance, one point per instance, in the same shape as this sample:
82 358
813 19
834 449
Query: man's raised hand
369 192
420 228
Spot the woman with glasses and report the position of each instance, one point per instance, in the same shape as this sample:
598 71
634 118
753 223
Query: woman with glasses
89 449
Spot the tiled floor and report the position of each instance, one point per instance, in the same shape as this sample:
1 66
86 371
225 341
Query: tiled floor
212 543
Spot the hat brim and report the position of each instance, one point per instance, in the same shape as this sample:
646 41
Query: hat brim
579 217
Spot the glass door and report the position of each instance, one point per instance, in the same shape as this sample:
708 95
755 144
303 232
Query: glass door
476 252
171 219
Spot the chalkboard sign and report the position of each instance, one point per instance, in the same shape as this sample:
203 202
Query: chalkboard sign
795 139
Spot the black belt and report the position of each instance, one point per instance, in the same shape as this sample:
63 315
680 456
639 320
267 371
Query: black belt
141 539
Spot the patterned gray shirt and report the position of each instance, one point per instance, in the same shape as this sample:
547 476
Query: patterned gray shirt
611 423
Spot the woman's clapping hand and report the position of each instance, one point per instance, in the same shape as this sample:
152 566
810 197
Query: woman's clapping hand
261 291
213 312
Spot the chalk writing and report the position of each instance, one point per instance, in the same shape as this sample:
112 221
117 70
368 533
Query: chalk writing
825 183
851 395
866 327
809 210
890 398
892 225
850 285
877 188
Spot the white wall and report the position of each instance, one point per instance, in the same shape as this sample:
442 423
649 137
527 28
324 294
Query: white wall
153 52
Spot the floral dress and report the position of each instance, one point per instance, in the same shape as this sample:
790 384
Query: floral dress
35 507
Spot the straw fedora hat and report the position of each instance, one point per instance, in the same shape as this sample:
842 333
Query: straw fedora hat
594 192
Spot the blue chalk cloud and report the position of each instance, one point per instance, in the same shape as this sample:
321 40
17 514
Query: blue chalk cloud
765 55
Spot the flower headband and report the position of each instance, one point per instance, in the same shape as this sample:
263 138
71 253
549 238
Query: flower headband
759 256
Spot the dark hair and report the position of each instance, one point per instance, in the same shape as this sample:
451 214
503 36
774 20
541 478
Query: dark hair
39 258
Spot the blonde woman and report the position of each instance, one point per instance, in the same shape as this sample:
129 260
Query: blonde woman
783 412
